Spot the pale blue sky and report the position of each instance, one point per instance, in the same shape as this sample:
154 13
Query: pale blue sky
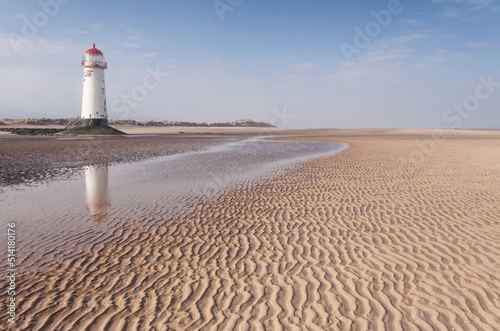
259 59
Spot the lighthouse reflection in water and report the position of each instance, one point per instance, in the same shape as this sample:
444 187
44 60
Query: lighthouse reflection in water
96 191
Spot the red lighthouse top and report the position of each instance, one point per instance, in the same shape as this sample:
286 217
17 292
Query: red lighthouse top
94 58
93 50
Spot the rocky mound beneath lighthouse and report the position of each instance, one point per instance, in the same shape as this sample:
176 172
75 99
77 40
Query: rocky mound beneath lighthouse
92 130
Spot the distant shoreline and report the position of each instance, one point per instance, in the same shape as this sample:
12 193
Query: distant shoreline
62 122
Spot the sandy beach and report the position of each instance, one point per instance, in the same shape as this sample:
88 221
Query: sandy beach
400 231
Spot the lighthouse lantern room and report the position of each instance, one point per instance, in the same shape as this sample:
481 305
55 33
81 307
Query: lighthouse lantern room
94 92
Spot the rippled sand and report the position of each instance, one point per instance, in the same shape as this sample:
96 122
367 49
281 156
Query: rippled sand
398 232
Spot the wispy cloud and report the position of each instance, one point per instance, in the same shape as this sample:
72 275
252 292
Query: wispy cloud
445 56
38 48
471 10
441 57
304 66
477 4
224 64
20 16
495 9
409 22
129 44
385 61
97 26
133 37
394 60
478 44
146 56
452 12
77 31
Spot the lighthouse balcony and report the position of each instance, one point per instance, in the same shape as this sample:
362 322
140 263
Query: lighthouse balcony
94 63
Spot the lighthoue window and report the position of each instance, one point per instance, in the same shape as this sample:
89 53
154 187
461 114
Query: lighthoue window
93 59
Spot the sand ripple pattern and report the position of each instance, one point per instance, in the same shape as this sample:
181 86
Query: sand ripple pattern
346 242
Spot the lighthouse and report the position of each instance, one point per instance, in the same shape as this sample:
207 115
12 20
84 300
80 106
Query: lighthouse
94 92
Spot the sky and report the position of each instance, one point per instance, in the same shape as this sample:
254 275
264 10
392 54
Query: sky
294 63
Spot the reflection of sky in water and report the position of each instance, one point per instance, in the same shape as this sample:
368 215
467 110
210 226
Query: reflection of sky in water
68 212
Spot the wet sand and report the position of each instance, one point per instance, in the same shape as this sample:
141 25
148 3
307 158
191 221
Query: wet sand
27 159
401 231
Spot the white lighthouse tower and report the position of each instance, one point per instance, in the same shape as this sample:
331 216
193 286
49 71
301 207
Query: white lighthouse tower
94 92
